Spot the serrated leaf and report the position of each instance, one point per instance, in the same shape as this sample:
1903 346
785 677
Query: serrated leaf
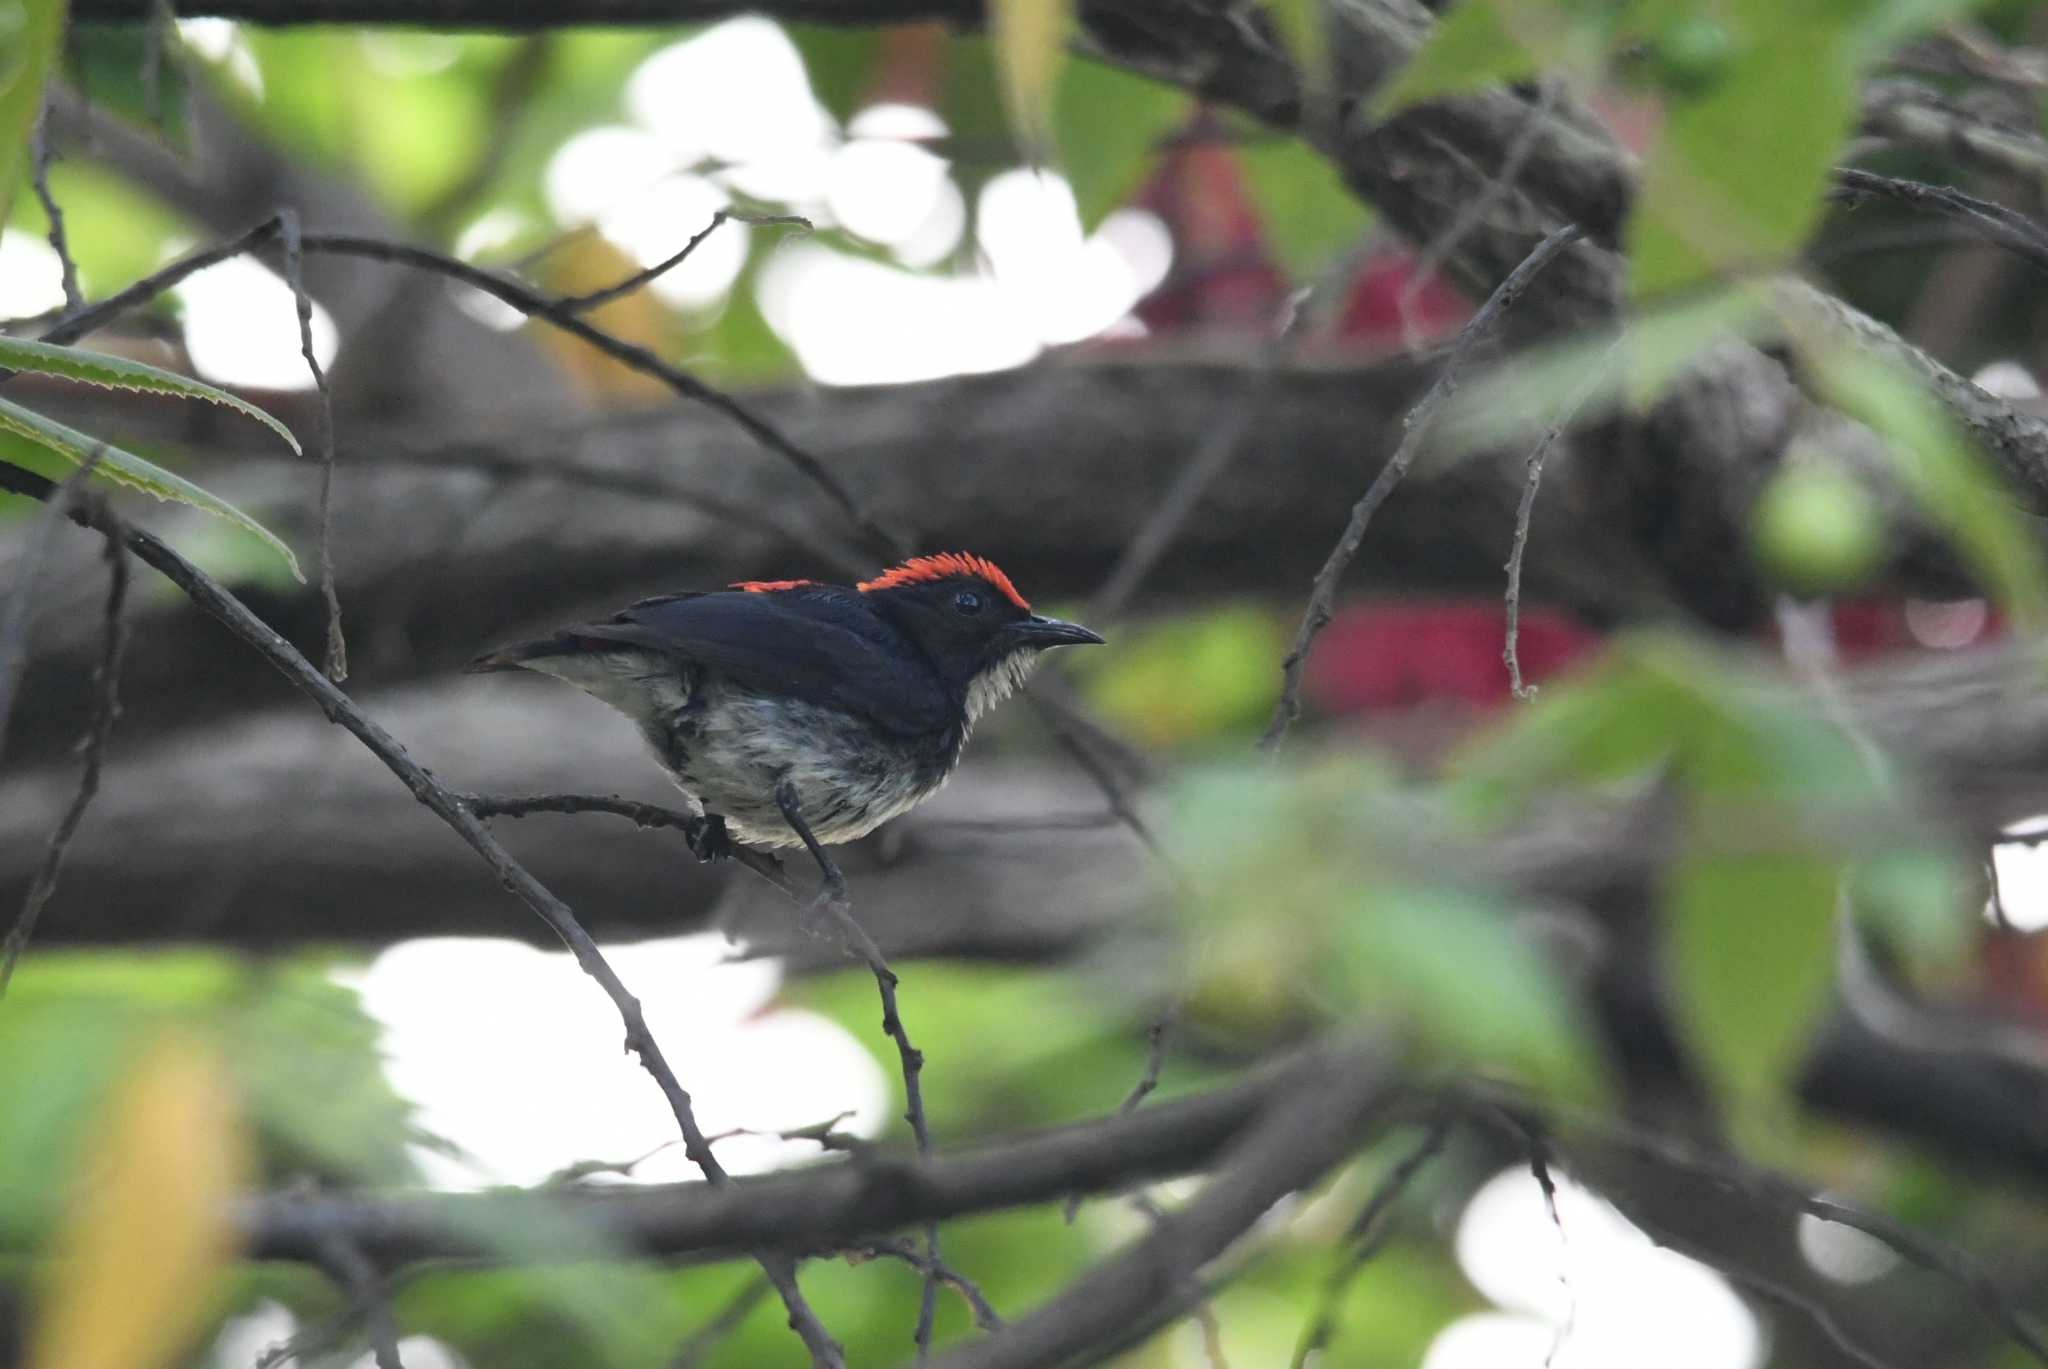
1030 48
119 373
125 468
30 33
148 1231
1751 943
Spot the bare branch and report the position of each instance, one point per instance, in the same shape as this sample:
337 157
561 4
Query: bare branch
1365 1236
106 709
985 1316
1420 420
359 1280
1510 652
578 304
231 613
39 176
20 613
643 814
702 1342
826 1206
520 297
336 663
1305 1132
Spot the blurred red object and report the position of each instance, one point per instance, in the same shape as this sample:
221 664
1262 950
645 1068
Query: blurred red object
1372 311
1223 275
1395 655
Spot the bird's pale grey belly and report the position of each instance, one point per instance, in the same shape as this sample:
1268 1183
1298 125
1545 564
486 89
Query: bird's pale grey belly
730 750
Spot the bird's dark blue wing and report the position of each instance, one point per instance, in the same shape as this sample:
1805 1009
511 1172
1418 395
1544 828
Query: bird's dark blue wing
821 644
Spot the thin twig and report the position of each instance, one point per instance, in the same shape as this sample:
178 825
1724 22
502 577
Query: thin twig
1365 1237
1321 1119
832 899
532 303
578 304
1418 424
646 815
1157 1035
158 35
365 1289
911 1060
985 1315
336 664
520 297
39 175
1510 651
1915 1247
19 614
1202 1308
1300 314
1067 724
209 596
106 709
1474 211
1997 224
706 1339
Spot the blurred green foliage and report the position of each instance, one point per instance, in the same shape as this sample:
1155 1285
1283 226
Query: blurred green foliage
1319 893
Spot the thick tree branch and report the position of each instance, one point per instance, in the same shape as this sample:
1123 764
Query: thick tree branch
824 1206
445 804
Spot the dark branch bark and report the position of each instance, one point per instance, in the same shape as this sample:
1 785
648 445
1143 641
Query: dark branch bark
445 546
827 1205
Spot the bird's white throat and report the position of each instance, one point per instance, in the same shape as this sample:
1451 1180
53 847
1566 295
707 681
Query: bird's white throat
998 682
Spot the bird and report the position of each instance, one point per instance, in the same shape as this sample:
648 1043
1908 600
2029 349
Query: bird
800 713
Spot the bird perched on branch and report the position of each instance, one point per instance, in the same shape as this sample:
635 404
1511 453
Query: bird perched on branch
798 712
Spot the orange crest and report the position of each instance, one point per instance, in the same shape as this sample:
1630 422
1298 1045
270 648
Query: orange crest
921 570
768 586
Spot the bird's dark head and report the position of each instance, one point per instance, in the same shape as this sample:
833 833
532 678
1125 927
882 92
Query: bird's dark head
971 621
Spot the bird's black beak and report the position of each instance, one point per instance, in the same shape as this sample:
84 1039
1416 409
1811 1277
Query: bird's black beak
1043 632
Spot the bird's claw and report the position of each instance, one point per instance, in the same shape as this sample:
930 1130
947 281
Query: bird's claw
709 841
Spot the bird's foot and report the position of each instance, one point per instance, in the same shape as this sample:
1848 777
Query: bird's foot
709 841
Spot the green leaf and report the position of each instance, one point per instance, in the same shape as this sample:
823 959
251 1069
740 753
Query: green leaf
1301 27
1031 47
1451 961
1657 701
119 373
1109 126
1190 678
842 63
1950 480
1916 900
30 32
1323 889
1479 43
1628 365
1890 23
1307 214
1751 945
1737 176
125 468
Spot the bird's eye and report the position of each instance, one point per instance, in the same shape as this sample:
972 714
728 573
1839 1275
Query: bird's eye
967 602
